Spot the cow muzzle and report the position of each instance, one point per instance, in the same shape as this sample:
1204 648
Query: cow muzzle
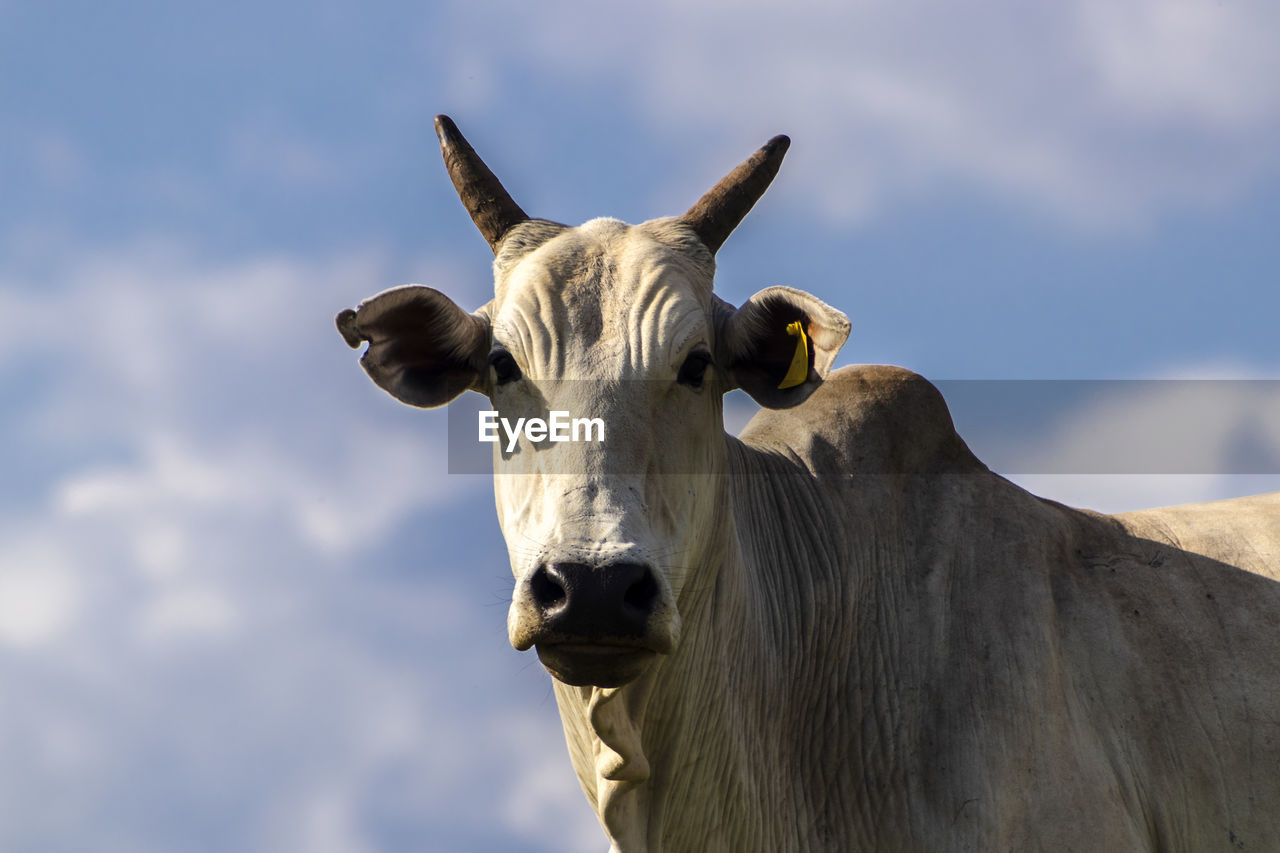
599 625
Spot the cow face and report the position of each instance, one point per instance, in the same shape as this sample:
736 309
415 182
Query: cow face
616 327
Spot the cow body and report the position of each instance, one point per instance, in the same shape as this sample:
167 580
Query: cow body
903 651
839 631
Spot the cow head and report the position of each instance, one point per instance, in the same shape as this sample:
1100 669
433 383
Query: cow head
618 324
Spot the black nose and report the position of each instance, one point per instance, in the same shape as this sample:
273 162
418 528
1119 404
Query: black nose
592 602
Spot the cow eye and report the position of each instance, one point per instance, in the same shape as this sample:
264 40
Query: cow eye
691 372
504 366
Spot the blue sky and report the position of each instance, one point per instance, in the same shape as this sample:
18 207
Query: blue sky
242 605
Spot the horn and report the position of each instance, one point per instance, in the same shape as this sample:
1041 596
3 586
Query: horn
717 213
491 207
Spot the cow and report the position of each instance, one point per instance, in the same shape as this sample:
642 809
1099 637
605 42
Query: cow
838 631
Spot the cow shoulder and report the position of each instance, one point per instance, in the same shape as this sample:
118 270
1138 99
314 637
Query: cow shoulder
868 419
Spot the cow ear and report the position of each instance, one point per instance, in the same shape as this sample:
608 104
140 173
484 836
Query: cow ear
423 349
780 344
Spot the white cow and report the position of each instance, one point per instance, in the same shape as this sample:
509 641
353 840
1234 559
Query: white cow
839 631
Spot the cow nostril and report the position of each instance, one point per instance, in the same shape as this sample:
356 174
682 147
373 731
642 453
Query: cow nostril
642 594
547 591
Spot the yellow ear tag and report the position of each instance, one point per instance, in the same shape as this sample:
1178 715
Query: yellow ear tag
799 371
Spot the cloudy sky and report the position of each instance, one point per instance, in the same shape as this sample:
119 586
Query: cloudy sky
242 604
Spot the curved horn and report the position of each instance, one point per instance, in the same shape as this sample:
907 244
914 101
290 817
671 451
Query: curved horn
717 213
491 208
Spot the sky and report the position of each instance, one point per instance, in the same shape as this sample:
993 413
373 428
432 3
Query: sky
243 605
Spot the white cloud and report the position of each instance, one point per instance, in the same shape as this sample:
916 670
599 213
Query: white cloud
160 549
1105 112
207 378
1164 427
195 603
40 594
325 822
1126 446
1114 493
190 612
1185 59
542 794
372 482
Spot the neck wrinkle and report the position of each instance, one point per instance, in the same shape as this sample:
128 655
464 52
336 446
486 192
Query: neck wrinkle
616 717
819 574
767 581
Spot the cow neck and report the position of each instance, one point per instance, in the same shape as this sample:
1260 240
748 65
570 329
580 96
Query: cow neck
616 717
743 615
604 731
613 750
648 721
